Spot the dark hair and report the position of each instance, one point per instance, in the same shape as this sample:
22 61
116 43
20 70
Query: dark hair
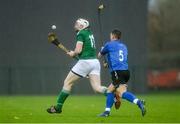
116 33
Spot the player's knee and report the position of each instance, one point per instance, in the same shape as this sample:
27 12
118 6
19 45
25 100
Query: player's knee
122 89
96 89
121 93
100 89
67 85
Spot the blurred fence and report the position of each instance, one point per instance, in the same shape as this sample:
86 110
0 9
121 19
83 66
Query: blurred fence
49 80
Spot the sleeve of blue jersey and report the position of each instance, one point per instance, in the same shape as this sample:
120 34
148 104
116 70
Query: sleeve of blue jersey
105 49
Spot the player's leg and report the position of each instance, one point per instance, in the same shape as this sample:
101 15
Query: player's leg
110 97
122 77
96 84
116 82
81 69
78 71
94 76
68 83
64 93
109 101
117 100
131 98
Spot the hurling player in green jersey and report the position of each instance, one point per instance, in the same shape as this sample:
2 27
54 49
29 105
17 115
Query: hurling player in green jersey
87 65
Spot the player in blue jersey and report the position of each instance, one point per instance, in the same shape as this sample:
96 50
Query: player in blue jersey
117 57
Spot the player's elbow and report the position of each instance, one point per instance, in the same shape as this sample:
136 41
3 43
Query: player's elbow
79 47
78 51
99 55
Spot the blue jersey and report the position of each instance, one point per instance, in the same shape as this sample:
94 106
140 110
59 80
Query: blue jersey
117 55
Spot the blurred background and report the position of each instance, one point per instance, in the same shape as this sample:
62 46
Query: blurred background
31 65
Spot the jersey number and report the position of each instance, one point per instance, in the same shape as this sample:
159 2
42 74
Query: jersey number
121 56
91 37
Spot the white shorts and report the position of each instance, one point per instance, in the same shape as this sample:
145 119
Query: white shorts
86 67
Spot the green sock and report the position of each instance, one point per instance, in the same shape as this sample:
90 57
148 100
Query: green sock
61 98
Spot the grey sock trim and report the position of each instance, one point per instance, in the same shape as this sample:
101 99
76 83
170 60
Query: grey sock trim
66 91
105 91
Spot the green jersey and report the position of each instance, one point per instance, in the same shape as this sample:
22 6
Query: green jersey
86 37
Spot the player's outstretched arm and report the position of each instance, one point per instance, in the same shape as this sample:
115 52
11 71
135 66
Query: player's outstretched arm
77 50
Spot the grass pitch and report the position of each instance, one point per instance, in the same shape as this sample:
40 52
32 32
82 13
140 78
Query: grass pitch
84 109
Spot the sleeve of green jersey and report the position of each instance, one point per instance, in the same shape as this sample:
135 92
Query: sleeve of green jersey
80 38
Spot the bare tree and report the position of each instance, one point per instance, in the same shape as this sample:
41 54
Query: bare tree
164 34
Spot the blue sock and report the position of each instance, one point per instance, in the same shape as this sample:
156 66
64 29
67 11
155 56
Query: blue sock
129 96
109 101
